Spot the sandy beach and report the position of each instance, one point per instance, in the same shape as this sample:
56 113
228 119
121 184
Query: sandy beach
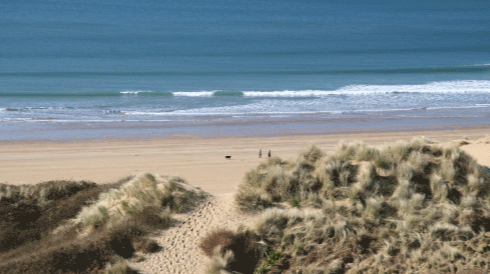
133 132
202 162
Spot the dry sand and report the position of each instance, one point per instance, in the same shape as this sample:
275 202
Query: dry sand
201 162
180 253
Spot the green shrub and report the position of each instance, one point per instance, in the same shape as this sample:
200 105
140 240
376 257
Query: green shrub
266 266
294 202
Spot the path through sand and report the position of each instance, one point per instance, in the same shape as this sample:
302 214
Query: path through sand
181 252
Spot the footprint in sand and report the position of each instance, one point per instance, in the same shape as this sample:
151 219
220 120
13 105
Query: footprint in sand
181 252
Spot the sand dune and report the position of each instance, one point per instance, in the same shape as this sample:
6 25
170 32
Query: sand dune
180 252
201 162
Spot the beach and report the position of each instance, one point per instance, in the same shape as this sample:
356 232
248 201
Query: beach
93 94
200 161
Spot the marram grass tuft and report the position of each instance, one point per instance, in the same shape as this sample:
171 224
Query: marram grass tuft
407 207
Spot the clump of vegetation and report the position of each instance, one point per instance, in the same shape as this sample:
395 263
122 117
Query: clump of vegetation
120 267
402 208
145 191
31 211
220 237
43 193
485 140
271 262
88 229
232 251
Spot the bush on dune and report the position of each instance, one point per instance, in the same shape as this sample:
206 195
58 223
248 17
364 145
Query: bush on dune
76 255
145 191
44 192
403 208
29 214
94 229
220 244
279 181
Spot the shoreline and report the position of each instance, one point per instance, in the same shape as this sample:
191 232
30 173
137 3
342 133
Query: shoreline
402 130
228 127
199 160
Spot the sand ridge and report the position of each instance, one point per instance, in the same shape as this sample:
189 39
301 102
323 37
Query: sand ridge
180 252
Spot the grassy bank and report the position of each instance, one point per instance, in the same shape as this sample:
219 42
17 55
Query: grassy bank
403 208
83 227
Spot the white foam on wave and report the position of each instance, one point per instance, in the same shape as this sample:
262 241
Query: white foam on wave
135 92
260 107
194 93
434 87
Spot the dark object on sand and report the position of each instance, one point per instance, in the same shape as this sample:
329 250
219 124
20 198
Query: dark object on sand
228 157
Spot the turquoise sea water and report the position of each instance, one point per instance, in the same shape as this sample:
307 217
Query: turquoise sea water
97 69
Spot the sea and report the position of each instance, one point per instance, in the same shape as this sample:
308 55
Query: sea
86 69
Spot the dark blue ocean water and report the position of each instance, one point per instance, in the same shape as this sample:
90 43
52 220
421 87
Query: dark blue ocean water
95 69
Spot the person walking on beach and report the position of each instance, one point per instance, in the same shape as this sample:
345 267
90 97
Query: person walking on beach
269 153
260 153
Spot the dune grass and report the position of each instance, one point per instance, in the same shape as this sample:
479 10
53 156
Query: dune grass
44 192
145 191
29 214
82 227
231 251
402 208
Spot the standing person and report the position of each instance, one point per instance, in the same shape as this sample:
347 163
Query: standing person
269 153
260 153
